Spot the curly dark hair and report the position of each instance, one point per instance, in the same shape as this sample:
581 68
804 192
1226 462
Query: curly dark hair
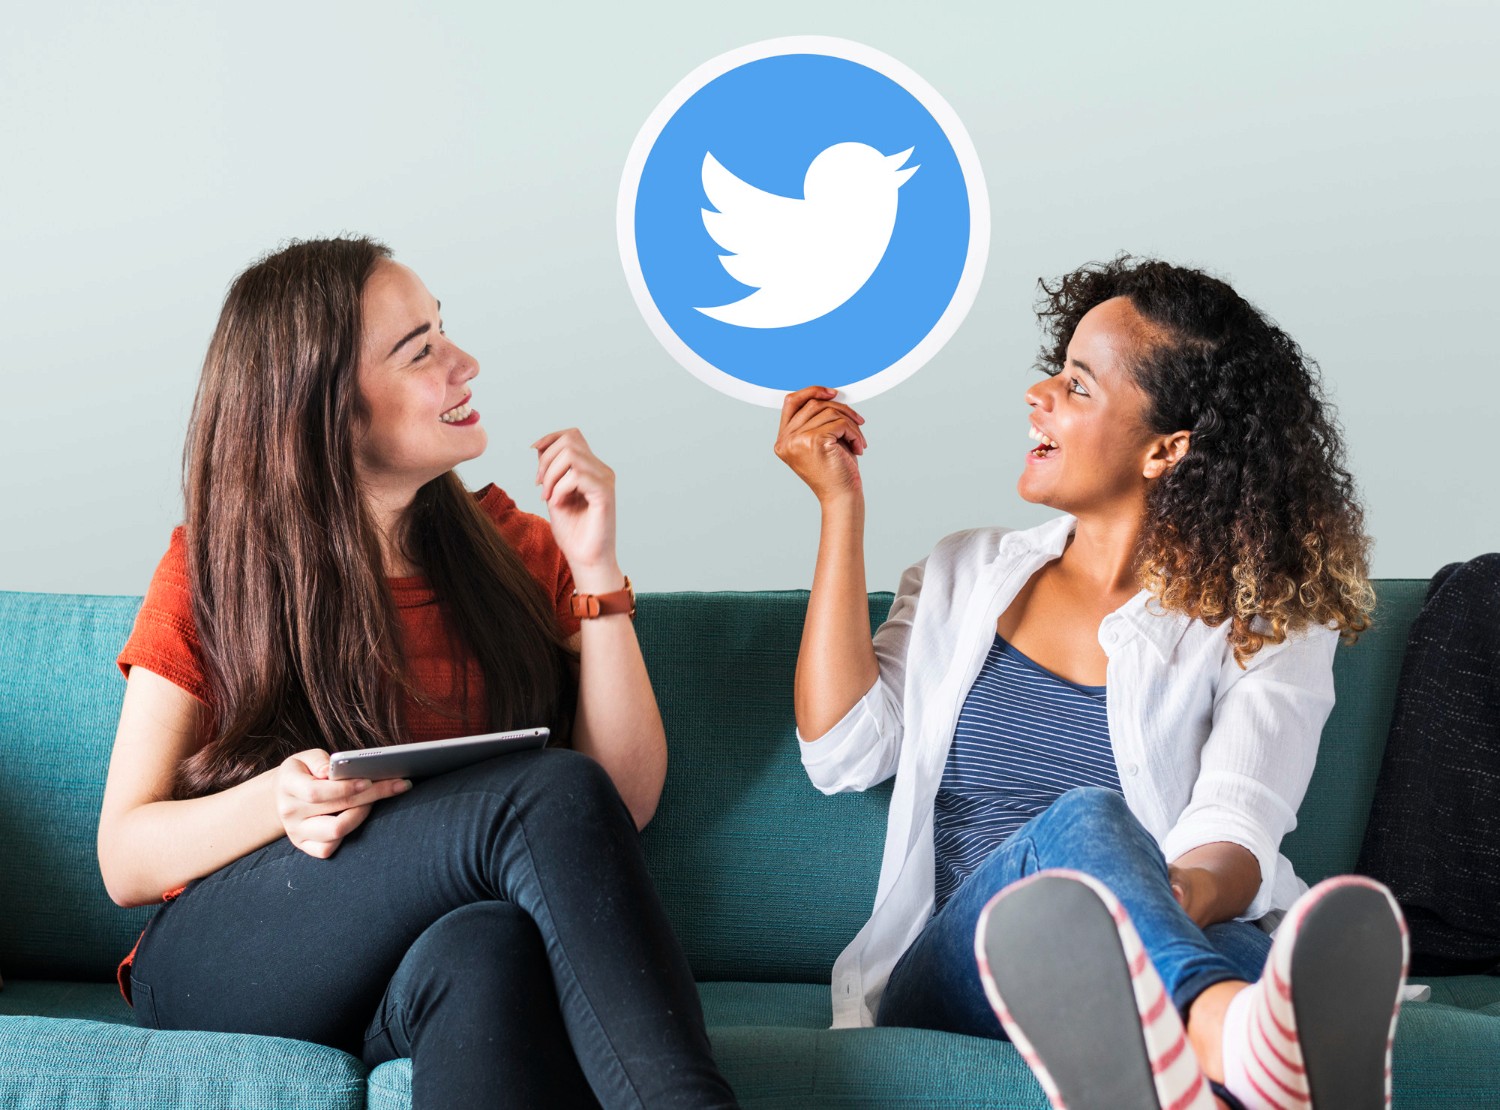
1259 522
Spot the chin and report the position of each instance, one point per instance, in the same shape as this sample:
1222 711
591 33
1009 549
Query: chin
1027 494
481 442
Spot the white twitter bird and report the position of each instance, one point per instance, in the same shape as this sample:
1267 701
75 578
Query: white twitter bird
805 257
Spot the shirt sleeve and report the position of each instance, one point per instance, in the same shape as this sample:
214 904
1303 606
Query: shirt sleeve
530 536
862 750
164 638
1259 757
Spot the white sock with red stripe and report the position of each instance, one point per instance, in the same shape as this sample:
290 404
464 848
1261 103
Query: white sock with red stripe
1262 1058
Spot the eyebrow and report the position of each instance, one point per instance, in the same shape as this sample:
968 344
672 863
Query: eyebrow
409 336
1076 362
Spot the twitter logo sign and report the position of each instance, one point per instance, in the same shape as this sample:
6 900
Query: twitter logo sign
803 210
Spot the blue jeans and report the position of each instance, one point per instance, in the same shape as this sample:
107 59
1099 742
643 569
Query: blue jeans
936 983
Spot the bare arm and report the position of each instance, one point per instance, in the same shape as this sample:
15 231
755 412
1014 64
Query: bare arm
1215 882
836 665
617 721
149 844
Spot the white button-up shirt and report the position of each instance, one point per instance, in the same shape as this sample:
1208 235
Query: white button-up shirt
1209 751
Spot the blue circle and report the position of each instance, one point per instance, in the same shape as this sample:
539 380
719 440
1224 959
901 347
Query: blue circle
765 122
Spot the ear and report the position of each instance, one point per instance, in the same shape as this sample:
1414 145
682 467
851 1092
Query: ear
1165 453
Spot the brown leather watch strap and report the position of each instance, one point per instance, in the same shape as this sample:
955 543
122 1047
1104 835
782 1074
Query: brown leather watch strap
589 606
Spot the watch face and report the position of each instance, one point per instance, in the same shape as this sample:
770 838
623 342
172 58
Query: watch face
803 211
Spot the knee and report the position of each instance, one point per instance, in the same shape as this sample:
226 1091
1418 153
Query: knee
575 780
476 950
552 776
1092 806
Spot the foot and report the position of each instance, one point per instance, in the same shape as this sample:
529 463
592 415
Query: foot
1078 996
1317 1029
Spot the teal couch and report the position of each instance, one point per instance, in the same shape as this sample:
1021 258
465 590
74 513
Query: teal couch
765 879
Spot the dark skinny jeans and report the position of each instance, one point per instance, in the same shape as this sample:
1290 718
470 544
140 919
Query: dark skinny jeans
496 924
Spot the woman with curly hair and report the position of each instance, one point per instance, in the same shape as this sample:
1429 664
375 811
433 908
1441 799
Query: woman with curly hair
1101 728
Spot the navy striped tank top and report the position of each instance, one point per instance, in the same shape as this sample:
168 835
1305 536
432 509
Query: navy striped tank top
1025 737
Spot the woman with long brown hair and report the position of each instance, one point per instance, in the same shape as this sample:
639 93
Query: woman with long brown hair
335 587
1113 717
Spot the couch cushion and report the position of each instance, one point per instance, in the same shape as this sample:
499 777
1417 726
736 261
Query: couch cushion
772 1041
64 1064
64 999
763 877
59 705
1331 822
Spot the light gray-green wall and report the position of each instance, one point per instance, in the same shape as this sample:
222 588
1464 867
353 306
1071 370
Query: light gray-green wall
1337 162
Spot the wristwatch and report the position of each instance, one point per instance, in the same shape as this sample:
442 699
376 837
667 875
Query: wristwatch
589 606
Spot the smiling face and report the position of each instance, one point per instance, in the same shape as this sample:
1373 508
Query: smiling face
414 388
1095 453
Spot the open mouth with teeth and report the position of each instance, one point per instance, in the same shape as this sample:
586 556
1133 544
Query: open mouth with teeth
1045 445
459 412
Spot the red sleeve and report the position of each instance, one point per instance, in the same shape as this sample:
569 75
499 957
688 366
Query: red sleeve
531 538
164 639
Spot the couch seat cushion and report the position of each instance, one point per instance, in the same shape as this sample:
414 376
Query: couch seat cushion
49 1063
771 1039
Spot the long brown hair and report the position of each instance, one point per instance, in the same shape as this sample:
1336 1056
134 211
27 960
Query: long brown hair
1260 523
301 642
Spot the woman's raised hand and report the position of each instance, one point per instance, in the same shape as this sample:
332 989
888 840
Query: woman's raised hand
580 495
821 439
318 812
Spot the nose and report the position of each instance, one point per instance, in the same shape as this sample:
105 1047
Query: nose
1039 396
465 365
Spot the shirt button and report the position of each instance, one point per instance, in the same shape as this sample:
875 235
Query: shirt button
1132 768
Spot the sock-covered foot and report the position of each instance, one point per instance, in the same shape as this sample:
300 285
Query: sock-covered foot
1317 1028
1078 995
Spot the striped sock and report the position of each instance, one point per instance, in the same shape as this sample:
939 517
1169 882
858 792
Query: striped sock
1262 1057
1264 1064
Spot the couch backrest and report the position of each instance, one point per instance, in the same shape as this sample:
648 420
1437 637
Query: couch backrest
764 877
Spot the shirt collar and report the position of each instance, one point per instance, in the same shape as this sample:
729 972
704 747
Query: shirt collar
1144 616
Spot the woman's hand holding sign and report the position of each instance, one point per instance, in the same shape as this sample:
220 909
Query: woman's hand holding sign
821 439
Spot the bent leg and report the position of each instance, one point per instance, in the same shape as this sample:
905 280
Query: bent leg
936 984
264 945
474 1007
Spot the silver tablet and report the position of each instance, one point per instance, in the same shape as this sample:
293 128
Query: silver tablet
431 757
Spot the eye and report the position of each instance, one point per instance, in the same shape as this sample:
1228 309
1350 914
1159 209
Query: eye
423 353
1076 386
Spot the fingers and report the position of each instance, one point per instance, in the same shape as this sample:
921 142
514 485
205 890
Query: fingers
567 458
795 416
326 795
836 425
569 440
333 827
794 401
565 487
830 424
314 761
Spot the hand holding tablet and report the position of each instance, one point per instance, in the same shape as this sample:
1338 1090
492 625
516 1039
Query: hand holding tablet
431 757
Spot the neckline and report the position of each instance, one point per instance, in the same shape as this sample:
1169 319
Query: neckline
1008 648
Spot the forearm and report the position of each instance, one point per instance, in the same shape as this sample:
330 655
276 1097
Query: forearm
1221 880
155 847
836 663
617 722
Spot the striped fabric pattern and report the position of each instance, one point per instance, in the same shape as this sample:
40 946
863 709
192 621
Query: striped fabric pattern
1025 736
1271 1072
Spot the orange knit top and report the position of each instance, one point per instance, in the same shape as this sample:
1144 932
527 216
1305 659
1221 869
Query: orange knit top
165 640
